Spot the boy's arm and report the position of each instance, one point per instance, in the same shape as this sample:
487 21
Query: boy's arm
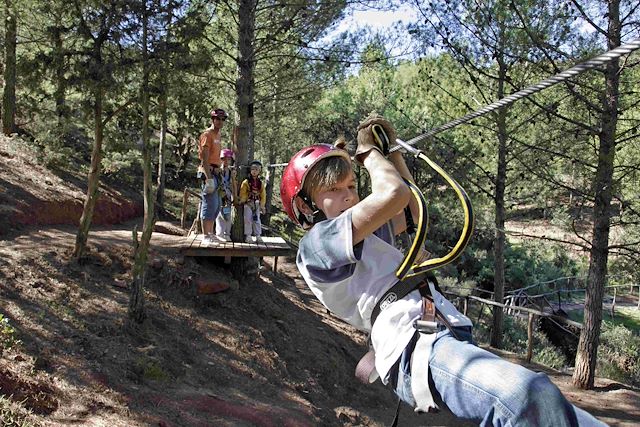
399 221
389 195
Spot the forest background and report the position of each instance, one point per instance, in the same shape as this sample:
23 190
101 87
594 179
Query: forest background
121 89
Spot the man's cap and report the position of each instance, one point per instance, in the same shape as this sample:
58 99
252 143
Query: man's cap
219 112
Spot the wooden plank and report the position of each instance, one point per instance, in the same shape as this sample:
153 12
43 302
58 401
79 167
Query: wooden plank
189 240
237 252
269 246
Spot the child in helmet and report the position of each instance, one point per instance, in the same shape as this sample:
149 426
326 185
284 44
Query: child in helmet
227 194
348 259
253 197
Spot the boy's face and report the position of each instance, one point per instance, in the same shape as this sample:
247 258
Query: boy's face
255 170
338 198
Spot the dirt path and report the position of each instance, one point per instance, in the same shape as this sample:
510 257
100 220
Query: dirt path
265 353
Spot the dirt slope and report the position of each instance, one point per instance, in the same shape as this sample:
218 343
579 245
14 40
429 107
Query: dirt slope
33 195
264 353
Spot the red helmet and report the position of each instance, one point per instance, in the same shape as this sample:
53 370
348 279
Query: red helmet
227 152
296 171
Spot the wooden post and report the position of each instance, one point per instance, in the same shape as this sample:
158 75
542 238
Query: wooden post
183 214
269 193
466 306
530 337
275 265
481 312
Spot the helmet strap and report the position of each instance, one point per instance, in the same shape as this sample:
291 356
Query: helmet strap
316 214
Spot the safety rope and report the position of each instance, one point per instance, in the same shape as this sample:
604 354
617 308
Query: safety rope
544 84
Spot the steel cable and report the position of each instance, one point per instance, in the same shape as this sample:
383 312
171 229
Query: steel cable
544 84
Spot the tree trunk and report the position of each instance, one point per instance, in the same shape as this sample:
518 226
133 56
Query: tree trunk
271 173
162 105
245 80
183 152
586 356
9 95
136 300
499 244
244 96
94 176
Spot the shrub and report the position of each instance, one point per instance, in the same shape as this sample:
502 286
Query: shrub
619 354
115 162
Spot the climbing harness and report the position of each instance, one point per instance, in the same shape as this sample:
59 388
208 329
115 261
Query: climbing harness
408 282
421 228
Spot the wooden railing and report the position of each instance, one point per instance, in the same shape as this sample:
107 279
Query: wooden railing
515 311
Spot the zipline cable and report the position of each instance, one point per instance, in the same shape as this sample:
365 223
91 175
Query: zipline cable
544 84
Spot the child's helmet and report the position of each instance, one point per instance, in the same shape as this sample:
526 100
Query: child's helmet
227 152
256 163
296 171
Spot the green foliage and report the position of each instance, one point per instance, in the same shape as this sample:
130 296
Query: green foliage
56 157
8 335
629 317
124 165
173 204
524 264
619 354
282 225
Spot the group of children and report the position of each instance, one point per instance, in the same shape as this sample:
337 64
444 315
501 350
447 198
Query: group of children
219 188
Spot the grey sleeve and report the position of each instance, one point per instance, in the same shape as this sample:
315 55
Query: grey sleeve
327 250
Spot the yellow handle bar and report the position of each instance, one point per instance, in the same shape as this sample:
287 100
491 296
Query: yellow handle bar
465 235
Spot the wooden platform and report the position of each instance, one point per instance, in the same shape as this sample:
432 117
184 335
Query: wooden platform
270 246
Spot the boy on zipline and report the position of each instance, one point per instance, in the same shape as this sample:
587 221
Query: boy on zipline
348 259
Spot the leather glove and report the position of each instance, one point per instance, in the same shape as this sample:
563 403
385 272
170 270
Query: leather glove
210 186
374 133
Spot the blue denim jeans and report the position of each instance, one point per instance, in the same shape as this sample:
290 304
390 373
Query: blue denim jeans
477 385
210 204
